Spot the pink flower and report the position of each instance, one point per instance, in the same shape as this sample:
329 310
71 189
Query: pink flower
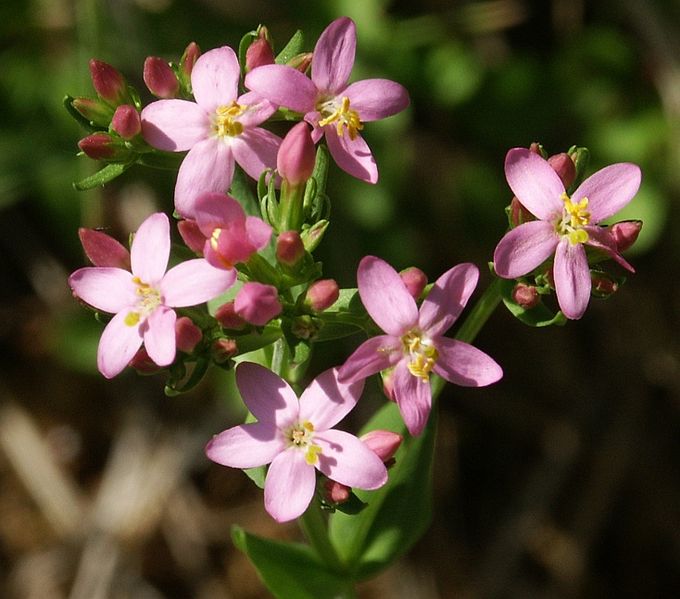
220 128
295 438
329 104
257 303
142 300
565 224
414 344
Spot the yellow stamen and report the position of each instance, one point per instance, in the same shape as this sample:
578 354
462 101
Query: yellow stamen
575 216
224 123
301 435
342 116
131 319
312 455
422 353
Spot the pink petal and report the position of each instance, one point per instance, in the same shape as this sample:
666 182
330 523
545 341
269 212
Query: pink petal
372 356
524 248
193 282
255 150
214 78
601 238
414 398
385 296
258 110
334 55
572 279
376 99
150 249
609 189
259 232
246 446
209 166
447 298
174 125
326 401
352 156
268 397
159 335
214 210
534 182
104 287
347 460
284 86
465 365
289 486
117 346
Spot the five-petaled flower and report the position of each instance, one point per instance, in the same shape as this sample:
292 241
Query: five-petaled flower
218 129
565 224
329 104
142 300
414 344
295 437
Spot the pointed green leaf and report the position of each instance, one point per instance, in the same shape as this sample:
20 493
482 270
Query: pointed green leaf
538 316
292 48
108 173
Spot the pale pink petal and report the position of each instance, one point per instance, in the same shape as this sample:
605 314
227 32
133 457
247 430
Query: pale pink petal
601 238
385 296
284 86
572 279
268 397
334 55
118 345
159 335
347 460
413 396
246 446
289 486
372 356
376 99
214 210
193 282
105 288
257 109
326 401
352 155
524 248
609 189
209 166
174 125
259 232
214 78
150 249
255 150
534 182
447 298
463 364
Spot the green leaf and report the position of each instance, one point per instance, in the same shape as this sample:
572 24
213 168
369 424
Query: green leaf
398 513
292 48
538 316
243 45
291 570
108 173
242 191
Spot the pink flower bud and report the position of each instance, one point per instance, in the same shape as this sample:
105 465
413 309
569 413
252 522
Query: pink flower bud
187 334
126 121
160 78
223 349
603 285
387 377
295 160
99 146
518 213
301 62
383 443
335 492
625 233
227 317
525 295
104 250
191 235
260 52
564 166
322 294
109 84
257 303
95 111
142 363
415 280
289 248
189 58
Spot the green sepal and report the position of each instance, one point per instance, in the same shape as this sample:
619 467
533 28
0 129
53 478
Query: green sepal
102 176
241 191
179 383
82 121
581 158
243 46
538 316
351 507
291 570
291 49
345 317
169 161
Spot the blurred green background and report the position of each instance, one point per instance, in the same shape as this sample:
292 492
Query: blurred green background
560 481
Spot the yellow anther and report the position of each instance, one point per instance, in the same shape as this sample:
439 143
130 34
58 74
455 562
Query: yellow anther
575 216
423 355
342 116
131 319
312 455
214 238
224 120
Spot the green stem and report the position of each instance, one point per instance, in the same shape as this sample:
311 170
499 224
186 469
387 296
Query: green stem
315 527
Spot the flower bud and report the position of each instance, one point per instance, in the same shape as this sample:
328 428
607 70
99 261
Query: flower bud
109 84
300 62
126 121
387 377
525 296
191 235
223 349
415 280
603 285
565 168
189 58
160 78
142 363
322 294
101 146
104 250
383 443
95 111
187 334
312 237
257 303
295 160
518 214
227 317
335 492
260 52
625 233
289 248
305 327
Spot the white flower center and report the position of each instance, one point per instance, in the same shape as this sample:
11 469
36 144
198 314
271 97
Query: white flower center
149 300
225 121
301 436
421 352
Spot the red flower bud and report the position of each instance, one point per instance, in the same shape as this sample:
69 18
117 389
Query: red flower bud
143 364
322 294
104 250
95 111
518 213
257 303
189 58
336 492
383 443
301 62
565 168
625 233
415 280
126 121
99 146
109 84
289 248
603 285
223 349
160 78
259 52
525 296
297 153
227 317
187 334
